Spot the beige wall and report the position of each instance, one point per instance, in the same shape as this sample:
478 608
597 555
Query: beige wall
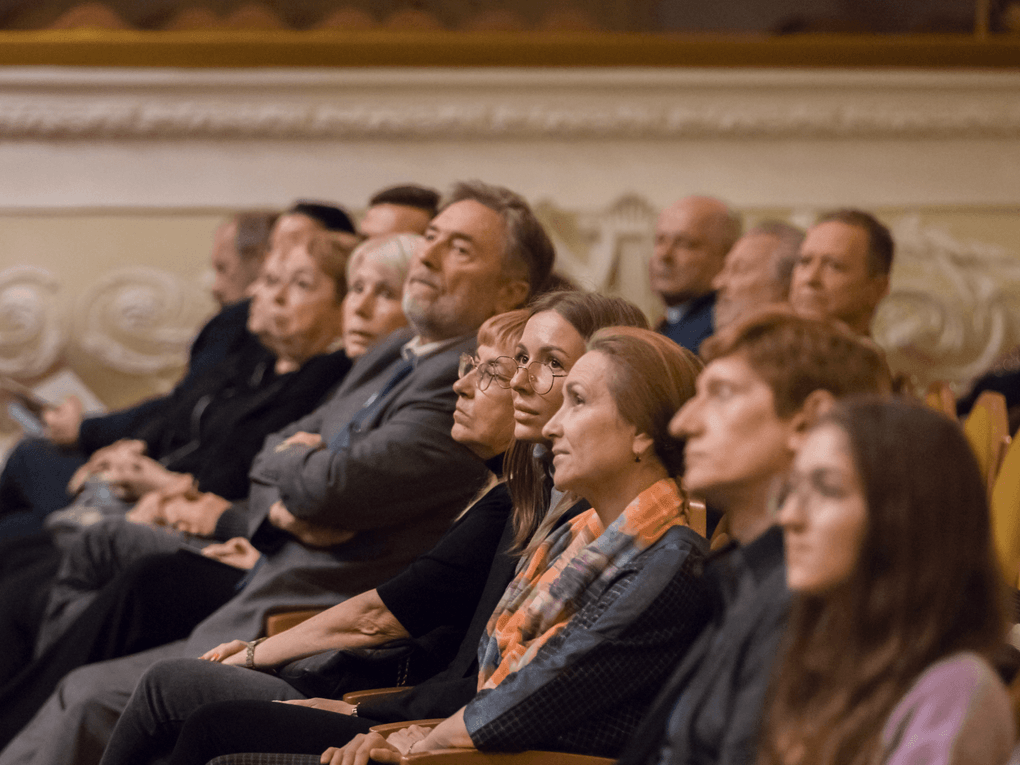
119 169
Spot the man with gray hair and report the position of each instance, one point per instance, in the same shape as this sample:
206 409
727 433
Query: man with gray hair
756 271
692 237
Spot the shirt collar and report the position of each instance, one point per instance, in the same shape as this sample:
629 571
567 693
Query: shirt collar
761 557
415 349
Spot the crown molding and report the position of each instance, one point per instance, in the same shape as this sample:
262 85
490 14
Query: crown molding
502 104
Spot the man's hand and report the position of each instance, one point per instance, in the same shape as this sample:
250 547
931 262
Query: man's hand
237 552
313 440
64 421
307 533
196 516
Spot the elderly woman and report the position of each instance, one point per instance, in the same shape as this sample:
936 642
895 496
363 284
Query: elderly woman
898 602
296 311
576 647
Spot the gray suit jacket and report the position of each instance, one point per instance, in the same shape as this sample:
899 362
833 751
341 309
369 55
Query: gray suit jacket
398 484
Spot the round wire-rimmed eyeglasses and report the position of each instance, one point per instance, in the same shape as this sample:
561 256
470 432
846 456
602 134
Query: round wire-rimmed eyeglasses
503 368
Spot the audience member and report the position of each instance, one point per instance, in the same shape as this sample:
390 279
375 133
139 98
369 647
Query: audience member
398 210
553 342
756 271
843 269
692 237
896 611
349 495
765 381
239 246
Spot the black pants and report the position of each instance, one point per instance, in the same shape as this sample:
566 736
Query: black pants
157 600
232 727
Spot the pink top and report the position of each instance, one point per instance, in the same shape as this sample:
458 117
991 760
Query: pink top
957 713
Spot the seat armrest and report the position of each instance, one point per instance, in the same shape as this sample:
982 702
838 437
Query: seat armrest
356 697
284 620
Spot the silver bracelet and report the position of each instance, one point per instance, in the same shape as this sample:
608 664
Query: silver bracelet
249 661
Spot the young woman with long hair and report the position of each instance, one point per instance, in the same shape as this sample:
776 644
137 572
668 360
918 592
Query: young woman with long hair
898 602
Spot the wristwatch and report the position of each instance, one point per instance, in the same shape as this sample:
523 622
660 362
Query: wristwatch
249 660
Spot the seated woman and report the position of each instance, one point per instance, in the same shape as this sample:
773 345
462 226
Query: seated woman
898 602
288 315
456 585
597 614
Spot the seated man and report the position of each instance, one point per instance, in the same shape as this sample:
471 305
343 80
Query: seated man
756 271
372 477
765 381
692 237
399 209
843 269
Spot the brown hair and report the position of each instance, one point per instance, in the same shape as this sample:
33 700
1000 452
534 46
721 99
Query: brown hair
880 241
796 355
651 378
527 246
527 479
925 586
330 252
504 330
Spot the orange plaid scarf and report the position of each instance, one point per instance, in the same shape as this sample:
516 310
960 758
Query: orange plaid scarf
571 567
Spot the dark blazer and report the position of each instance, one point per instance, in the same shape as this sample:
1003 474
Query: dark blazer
696 325
224 334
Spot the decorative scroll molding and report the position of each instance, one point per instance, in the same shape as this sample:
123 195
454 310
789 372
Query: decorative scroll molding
503 105
138 320
954 307
31 338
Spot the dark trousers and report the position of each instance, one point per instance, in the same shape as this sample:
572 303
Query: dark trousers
231 727
157 600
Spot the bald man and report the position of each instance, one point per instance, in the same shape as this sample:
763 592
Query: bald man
692 237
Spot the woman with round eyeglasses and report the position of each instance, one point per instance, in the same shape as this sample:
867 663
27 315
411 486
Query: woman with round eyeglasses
898 602
555 337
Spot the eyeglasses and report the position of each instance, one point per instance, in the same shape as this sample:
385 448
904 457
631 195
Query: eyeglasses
501 369
540 374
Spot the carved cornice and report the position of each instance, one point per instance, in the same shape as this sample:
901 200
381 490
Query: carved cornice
442 105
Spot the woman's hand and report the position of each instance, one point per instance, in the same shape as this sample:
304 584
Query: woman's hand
372 746
326 705
224 653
